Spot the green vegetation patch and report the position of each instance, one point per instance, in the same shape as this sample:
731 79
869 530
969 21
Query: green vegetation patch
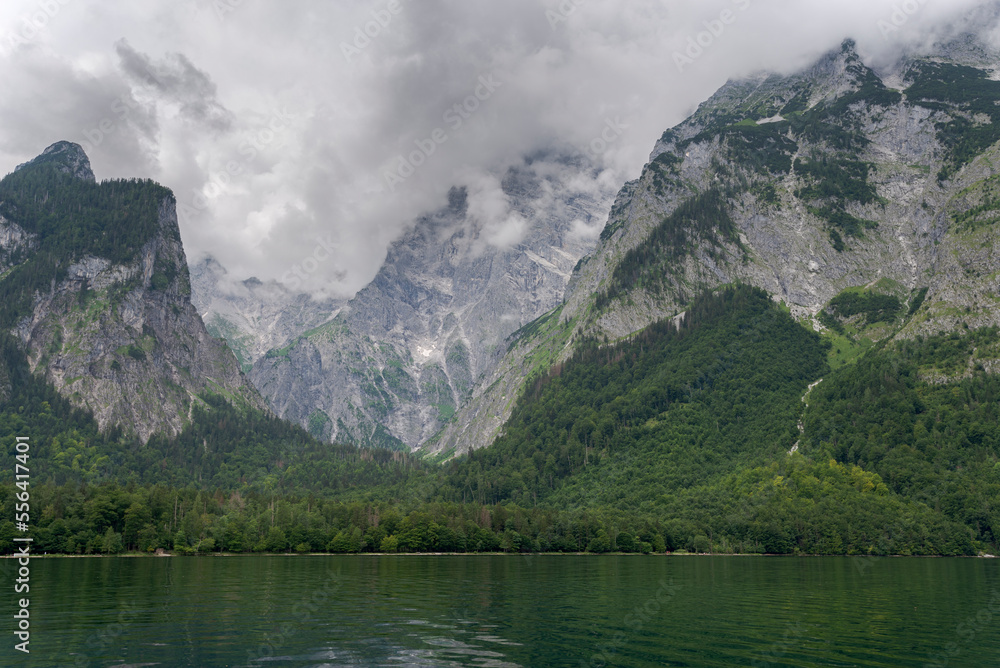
985 206
917 300
280 353
164 274
951 354
237 340
837 178
971 100
535 327
317 424
665 170
798 103
704 218
832 182
765 149
874 307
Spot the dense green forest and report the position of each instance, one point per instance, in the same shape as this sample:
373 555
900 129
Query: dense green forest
679 397
725 430
693 427
934 443
110 519
703 219
74 217
678 438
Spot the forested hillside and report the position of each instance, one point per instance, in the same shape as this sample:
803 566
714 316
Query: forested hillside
684 403
680 438
694 426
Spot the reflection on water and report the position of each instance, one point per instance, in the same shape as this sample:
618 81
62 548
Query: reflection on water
511 611
433 644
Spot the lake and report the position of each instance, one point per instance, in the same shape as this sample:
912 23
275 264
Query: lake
512 611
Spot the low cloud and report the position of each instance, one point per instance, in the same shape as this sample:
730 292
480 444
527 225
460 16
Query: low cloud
176 80
276 125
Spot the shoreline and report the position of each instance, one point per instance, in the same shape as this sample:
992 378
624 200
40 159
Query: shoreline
143 555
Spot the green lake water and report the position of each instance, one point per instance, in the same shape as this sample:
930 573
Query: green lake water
511 611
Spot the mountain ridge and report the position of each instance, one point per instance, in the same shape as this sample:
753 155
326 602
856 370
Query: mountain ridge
397 361
842 194
98 295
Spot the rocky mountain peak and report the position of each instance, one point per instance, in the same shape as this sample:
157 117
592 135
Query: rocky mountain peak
67 157
97 296
836 183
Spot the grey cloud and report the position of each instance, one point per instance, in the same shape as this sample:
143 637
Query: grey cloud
48 100
585 90
177 80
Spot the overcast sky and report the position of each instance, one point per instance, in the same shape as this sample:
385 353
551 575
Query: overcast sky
282 127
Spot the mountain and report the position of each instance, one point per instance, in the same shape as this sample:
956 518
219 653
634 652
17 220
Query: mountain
394 365
96 292
785 341
865 201
253 316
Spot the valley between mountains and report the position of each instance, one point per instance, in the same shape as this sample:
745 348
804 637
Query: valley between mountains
784 339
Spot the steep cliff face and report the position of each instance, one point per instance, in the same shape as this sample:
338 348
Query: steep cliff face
15 243
392 368
98 293
837 190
